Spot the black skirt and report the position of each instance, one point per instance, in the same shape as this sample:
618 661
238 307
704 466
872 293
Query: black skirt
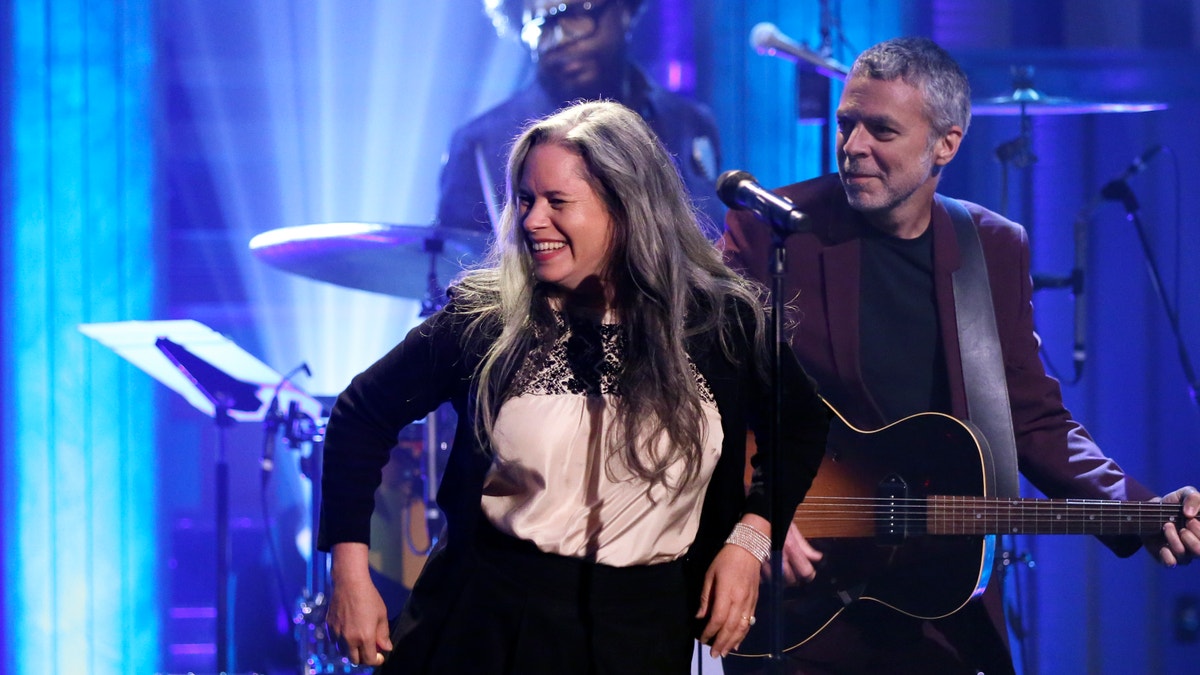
523 611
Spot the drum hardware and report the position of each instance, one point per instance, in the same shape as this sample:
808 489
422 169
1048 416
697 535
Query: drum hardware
375 257
1024 102
316 649
318 654
1025 99
301 432
433 448
435 295
1016 152
378 258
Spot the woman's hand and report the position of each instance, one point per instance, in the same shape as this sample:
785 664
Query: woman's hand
357 616
730 594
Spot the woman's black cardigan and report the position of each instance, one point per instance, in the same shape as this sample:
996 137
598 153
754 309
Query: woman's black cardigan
435 364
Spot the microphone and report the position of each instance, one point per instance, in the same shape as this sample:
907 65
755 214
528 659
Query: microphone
294 422
271 428
741 191
1139 163
273 419
1116 189
766 38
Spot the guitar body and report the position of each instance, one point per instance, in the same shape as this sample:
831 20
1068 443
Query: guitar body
868 557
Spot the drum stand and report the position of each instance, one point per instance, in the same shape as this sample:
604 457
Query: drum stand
317 651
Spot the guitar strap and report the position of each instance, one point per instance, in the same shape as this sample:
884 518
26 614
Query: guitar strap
979 345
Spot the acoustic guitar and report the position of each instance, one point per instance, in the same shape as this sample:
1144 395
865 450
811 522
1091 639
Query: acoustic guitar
904 519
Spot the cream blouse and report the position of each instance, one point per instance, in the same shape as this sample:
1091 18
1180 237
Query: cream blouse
551 481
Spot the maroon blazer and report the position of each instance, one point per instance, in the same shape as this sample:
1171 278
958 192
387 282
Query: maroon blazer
1055 453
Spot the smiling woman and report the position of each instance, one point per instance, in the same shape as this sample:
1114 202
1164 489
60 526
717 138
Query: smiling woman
606 366
566 221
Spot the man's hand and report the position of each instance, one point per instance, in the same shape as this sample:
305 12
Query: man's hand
1178 544
799 559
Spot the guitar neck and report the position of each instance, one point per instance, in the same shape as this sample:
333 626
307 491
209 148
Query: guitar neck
874 484
836 517
989 515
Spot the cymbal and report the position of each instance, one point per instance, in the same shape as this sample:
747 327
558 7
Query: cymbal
1030 101
377 257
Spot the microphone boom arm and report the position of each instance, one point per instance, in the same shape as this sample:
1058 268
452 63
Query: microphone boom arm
1185 361
767 39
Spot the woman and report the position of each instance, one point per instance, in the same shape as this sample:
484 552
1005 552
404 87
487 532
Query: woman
607 366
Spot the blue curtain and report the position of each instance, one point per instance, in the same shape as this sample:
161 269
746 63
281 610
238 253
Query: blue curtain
79 484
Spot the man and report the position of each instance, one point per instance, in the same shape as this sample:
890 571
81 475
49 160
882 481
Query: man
872 286
580 49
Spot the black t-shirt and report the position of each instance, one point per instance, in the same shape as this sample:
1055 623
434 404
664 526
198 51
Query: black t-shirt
903 358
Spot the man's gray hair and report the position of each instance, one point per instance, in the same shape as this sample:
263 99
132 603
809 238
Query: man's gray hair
923 64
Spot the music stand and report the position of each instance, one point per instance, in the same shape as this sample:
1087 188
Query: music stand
219 379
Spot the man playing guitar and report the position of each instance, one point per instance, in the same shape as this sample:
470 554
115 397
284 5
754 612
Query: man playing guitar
871 286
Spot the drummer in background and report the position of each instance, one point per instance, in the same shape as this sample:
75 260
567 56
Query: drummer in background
606 367
580 50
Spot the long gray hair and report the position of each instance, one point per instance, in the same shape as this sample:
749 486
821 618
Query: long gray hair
670 284
923 64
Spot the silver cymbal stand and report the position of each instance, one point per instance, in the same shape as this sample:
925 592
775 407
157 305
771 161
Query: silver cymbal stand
317 651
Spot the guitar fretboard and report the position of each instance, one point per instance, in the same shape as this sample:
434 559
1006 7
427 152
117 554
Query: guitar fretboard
954 515
981 515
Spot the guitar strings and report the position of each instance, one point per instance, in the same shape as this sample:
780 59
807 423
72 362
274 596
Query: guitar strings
1087 516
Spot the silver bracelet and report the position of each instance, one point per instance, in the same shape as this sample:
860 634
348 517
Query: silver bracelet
749 538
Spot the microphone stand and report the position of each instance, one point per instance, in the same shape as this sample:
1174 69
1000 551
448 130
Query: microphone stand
780 231
224 545
1119 190
739 191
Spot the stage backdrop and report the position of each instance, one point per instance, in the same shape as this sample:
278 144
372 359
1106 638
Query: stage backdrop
147 143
